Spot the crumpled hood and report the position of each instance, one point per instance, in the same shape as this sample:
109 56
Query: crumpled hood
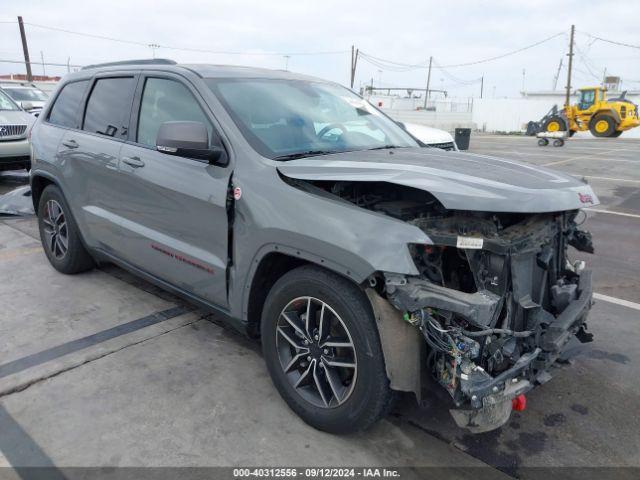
460 181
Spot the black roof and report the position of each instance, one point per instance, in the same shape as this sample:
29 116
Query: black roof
202 70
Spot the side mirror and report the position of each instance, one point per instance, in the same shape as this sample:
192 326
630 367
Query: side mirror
189 139
26 105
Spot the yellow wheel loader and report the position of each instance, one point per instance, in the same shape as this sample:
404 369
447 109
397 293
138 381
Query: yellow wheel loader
593 112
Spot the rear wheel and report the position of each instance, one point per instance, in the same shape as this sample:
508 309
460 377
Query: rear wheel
322 350
555 124
602 126
59 234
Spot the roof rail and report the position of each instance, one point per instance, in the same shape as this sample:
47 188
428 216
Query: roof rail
145 61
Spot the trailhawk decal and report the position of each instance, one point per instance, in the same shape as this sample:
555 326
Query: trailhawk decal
181 258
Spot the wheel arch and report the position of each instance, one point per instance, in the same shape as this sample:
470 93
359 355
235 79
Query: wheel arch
39 181
270 264
607 111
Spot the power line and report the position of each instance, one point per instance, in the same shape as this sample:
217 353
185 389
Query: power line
185 49
595 37
498 57
399 66
453 78
42 63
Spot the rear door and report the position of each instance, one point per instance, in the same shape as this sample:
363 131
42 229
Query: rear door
62 117
92 154
173 208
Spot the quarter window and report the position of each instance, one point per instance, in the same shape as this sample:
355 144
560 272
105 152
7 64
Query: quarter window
166 100
109 107
65 109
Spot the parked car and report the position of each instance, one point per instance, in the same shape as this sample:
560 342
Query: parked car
31 99
306 217
429 136
14 129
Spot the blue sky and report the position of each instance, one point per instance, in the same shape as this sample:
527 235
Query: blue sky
408 32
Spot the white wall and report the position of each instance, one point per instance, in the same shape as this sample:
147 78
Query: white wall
443 120
507 114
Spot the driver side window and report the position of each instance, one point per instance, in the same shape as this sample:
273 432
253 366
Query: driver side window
165 100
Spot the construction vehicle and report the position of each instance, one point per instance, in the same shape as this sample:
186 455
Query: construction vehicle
593 112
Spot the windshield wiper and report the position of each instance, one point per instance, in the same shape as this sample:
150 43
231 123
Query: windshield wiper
308 153
386 147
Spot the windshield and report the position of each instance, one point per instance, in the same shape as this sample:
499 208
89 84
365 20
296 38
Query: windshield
285 119
6 103
26 94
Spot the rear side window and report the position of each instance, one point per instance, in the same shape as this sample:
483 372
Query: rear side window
166 100
109 106
65 109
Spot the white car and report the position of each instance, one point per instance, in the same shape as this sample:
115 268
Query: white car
429 136
15 124
31 99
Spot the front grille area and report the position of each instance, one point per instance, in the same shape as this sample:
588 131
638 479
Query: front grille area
12 130
443 146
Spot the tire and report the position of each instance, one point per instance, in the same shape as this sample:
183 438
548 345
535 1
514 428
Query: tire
54 210
543 142
555 124
363 394
616 134
602 125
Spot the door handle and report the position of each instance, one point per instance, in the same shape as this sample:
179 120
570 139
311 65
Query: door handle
134 162
70 143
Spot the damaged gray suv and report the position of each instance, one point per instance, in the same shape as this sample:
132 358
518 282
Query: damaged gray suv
308 218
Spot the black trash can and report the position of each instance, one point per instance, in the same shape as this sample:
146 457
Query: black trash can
462 136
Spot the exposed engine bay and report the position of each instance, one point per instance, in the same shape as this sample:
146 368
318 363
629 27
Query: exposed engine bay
497 299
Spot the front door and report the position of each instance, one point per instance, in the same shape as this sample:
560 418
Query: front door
173 209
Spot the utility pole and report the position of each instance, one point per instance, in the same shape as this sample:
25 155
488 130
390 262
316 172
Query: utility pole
555 79
481 85
604 78
286 62
68 64
44 74
567 100
354 63
524 73
426 93
25 49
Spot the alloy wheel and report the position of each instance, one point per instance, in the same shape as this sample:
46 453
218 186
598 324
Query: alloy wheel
316 352
55 229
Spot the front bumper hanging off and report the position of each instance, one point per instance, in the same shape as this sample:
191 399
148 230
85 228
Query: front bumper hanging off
489 398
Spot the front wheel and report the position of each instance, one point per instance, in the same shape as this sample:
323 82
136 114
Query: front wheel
322 350
555 124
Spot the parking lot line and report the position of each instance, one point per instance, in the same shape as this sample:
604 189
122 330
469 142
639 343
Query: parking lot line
579 157
85 342
622 214
607 178
617 301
